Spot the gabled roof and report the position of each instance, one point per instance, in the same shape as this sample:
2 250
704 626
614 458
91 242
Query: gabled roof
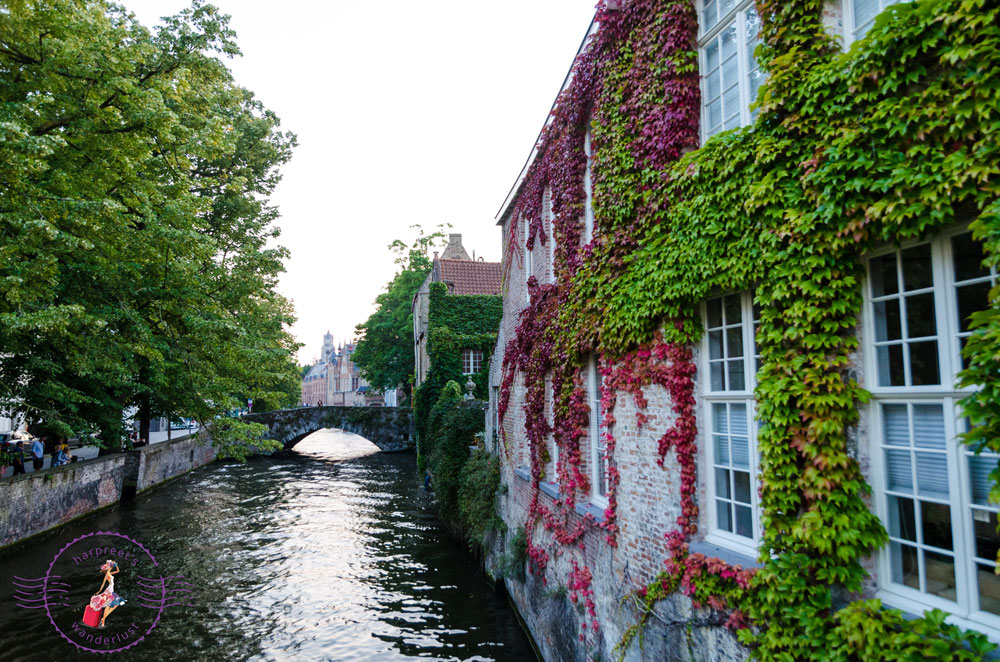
469 277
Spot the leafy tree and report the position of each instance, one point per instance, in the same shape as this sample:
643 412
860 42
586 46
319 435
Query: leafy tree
385 341
136 261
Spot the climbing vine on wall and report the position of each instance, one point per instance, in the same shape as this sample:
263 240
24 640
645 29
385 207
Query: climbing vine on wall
895 139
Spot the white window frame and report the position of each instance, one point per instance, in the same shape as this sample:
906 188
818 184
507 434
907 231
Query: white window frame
598 460
963 610
469 361
550 225
588 189
746 65
527 257
552 470
748 546
849 26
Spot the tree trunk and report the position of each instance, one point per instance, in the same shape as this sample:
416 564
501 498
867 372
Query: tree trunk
144 417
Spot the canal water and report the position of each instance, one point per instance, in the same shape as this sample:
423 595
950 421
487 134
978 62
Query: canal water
331 552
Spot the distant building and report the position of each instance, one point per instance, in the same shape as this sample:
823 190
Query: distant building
462 275
334 379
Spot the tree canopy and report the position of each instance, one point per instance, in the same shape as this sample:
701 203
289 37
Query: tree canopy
137 257
385 347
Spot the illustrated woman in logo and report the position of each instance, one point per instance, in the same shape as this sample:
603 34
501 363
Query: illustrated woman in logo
107 599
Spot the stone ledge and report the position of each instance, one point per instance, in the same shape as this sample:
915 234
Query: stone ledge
727 555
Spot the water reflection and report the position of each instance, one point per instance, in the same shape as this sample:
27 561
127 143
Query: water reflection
329 553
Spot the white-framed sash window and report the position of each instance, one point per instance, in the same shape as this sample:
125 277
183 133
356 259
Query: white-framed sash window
550 229
472 361
588 189
730 362
860 16
931 489
731 76
598 444
527 257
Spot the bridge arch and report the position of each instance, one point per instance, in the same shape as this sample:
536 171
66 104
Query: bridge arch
389 428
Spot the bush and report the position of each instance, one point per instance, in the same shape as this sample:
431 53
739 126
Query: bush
512 564
477 495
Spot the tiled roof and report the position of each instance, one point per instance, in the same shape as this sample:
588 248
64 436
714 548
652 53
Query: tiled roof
470 277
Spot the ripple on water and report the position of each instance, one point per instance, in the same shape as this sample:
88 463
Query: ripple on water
331 552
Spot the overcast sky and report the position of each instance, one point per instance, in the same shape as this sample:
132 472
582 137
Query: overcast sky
406 112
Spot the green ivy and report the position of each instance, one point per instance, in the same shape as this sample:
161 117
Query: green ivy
895 139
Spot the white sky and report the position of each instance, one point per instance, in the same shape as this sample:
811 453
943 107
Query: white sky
406 112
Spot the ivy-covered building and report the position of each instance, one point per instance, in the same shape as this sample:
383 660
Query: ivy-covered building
456 314
746 397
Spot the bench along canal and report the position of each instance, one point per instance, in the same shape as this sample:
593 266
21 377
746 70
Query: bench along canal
329 552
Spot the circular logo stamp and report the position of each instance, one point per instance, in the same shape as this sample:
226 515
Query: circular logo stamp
103 592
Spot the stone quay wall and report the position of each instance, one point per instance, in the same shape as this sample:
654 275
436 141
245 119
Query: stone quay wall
36 502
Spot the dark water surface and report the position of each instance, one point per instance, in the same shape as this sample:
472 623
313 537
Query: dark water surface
330 553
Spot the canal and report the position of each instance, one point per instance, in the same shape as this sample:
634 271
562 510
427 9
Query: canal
330 552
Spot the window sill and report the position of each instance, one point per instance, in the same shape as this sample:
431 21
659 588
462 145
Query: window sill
523 473
893 600
552 489
728 555
592 509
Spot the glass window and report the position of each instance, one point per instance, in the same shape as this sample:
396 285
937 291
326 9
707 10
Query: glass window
934 490
731 76
588 189
732 360
598 444
863 13
472 361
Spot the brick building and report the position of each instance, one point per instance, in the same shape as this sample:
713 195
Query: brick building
463 276
334 379
915 294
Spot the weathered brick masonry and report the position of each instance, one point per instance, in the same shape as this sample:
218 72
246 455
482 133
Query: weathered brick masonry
36 502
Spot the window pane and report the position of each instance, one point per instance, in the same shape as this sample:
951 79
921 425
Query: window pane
744 521
968 257
932 475
736 377
989 589
718 384
928 426
984 524
734 312
940 575
722 483
905 568
936 519
734 342
902 521
980 467
715 344
896 425
920 316
924 363
709 15
723 515
890 365
713 85
917 267
900 471
738 421
741 486
729 49
971 298
864 11
714 313
887 321
883 275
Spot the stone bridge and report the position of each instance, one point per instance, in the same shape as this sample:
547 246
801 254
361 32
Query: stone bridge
389 428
